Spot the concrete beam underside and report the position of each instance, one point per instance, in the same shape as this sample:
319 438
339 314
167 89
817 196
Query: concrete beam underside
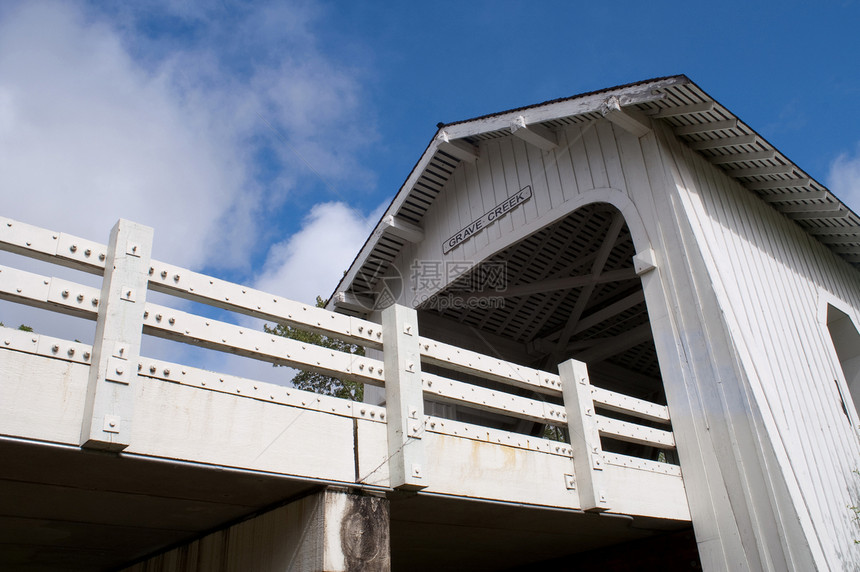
329 531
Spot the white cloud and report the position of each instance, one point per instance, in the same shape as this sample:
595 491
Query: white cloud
90 133
844 178
311 262
99 121
87 136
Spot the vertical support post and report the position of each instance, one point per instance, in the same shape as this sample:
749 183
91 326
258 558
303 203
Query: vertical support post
404 397
116 348
584 436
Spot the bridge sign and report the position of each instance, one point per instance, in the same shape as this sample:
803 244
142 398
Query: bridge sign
487 219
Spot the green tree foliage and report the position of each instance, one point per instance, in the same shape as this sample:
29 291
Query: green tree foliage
22 327
316 382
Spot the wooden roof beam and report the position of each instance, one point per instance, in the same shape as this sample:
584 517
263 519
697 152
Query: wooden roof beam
456 148
831 230
839 239
599 316
684 110
351 301
804 208
706 127
819 214
534 134
402 229
796 196
630 120
760 171
617 344
741 157
561 284
783 184
723 142
597 267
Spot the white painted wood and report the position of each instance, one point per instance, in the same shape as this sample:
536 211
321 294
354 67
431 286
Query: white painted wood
404 229
628 119
43 398
721 143
684 110
459 149
446 390
56 247
483 470
173 324
188 423
632 433
584 438
404 399
742 157
536 135
706 127
197 287
787 406
613 401
780 184
645 493
109 405
640 93
351 301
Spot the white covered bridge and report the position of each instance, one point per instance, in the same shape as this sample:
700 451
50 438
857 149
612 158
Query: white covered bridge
634 267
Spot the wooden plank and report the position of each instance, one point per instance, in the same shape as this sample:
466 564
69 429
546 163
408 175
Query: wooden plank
723 142
540 200
580 105
759 171
486 367
43 397
449 391
706 127
632 433
553 284
188 328
742 157
621 403
607 137
547 165
794 196
779 184
596 160
181 422
492 471
688 109
666 496
577 158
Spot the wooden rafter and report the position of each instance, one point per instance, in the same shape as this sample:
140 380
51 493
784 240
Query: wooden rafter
596 271
599 316
615 345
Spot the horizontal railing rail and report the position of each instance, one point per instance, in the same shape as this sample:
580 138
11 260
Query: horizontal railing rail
126 314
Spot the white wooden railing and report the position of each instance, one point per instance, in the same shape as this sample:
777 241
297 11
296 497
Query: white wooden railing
123 314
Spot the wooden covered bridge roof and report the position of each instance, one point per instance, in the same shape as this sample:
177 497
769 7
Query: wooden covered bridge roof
699 120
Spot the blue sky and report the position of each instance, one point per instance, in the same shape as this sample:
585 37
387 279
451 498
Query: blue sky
261 139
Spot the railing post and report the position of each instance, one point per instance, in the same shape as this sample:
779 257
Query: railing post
584 436
404 397
116 348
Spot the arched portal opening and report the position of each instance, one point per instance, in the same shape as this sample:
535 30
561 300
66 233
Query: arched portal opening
567 291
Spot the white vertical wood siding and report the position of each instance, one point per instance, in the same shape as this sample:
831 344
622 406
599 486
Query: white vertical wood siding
772 280
588 157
